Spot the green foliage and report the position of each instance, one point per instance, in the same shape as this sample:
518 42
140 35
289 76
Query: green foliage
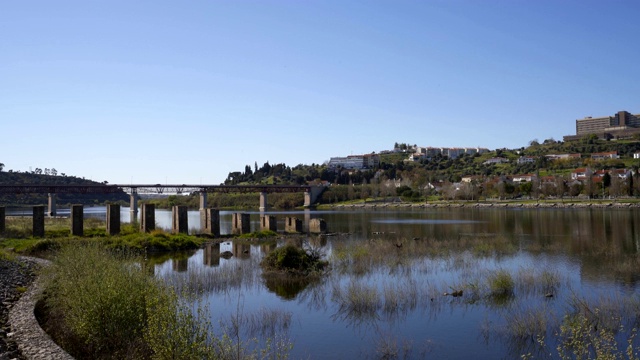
259 235
501 283
580 338
290 258
6 255
101 300
33 178
102 304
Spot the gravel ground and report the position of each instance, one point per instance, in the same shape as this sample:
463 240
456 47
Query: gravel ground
15 277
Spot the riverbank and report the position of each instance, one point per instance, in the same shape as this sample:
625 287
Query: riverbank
17 276
486 204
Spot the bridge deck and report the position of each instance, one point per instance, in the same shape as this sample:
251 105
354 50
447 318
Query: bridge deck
147 189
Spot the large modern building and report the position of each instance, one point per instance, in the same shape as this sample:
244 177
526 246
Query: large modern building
359 162
621 125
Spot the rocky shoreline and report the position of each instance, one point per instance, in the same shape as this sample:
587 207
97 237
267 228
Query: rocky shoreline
567 205
15 278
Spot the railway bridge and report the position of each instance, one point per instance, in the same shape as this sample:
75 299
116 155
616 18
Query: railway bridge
311 193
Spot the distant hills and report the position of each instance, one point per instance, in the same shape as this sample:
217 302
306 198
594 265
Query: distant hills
26 178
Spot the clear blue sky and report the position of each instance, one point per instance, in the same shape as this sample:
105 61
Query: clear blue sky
188 91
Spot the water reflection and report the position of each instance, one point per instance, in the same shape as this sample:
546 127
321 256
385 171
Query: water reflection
390 270
211 255
285 287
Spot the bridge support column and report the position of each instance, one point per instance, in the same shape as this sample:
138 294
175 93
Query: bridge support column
3 225
210 222
268 222
113 219
311 196
317 226
307 220
38 221
263 201
179 220
133 206
240 224
52 204
77 218
292 225
203 200
148 218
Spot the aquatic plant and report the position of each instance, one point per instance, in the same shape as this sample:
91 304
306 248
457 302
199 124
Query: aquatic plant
292 259
102 304
500 283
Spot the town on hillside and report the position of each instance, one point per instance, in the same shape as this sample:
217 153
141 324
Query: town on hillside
601 160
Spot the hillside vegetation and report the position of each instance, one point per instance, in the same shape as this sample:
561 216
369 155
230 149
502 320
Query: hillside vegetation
33 178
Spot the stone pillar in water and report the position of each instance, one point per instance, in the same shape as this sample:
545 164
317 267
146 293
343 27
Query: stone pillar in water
133 206
210 221
240 224
3 225
38 221
77 218
113 219
292 225
148 218
52 204
203 200
307 199
317 226
268 222
263 201
179 220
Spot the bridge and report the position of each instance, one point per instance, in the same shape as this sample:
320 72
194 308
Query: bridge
311 193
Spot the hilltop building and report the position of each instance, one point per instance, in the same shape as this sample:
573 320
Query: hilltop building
357 162
451 153
621 125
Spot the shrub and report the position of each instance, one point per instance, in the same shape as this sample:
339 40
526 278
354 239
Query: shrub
290 258
110 308
501 283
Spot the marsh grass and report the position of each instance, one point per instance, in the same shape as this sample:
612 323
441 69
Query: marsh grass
528 323
357 300
101 303
22 227
361 257
500 283
201 280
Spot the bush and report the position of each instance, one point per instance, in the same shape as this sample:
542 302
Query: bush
102 304
501 283
290 258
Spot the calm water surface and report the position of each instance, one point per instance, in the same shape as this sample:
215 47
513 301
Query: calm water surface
582 248
423 253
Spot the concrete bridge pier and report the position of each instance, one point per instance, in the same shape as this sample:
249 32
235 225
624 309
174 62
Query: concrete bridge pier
38 221
268 222
210 222
203 200
113 219
52 204
133 206
292 225
179 220
317 226
77 219
311 196
148 218
263 201
240 224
